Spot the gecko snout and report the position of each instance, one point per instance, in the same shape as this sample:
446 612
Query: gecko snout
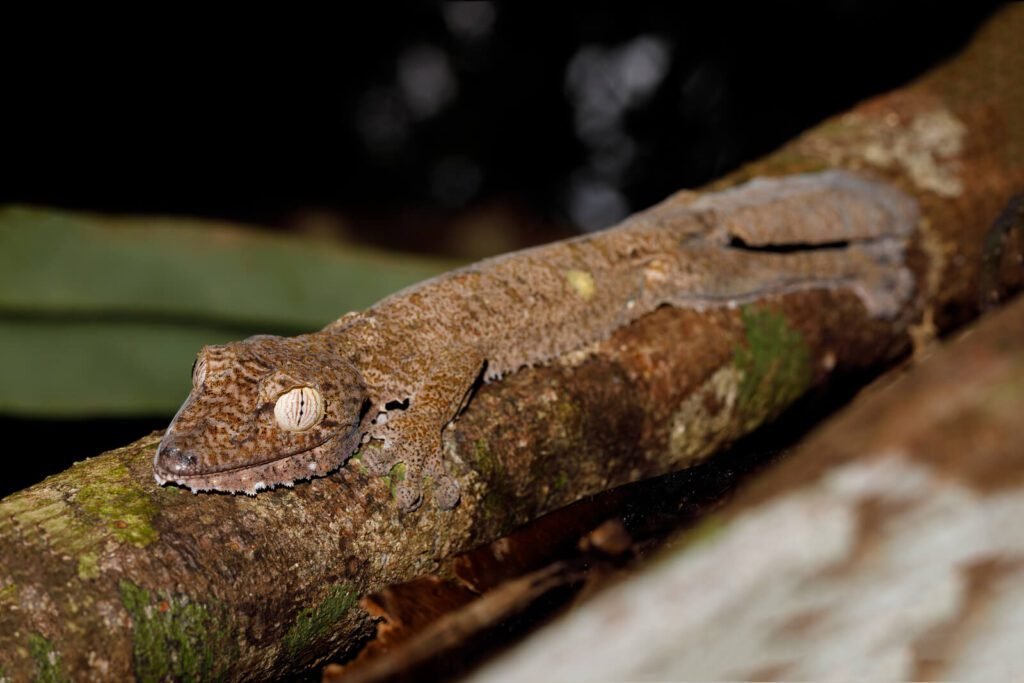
174 460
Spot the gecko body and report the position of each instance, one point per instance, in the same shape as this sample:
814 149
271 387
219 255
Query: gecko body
271 411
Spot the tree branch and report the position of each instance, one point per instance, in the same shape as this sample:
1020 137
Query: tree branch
885 547
107 575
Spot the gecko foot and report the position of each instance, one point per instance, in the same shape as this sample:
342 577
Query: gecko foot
446 492
408 495
378 460
393 441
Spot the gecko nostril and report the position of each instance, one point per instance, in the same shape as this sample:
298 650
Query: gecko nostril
176 460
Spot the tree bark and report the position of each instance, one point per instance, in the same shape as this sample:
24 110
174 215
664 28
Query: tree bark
106 575
887 547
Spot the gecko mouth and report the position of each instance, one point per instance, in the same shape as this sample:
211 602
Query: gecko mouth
250 479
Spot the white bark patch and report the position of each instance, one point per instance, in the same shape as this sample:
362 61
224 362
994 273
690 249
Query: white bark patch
927 150
991 650
697 431
841 580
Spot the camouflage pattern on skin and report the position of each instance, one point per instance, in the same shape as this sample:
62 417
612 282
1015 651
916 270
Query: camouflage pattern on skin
393 376
224 437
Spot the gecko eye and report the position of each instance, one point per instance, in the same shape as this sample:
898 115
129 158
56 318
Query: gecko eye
299 409
198 371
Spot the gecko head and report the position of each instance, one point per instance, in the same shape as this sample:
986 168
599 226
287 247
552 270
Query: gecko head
262 412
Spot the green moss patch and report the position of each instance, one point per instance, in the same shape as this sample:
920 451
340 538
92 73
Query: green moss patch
775 365
486 464
9 593
49 667
88 567
395 475
173 638
356 463
495 499
313 623
123 504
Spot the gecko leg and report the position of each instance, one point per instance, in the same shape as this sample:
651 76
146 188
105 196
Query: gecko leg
412 435
377 457
414 439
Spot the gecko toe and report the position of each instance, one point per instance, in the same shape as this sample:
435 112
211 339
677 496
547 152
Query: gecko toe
377 460
446 492
408 495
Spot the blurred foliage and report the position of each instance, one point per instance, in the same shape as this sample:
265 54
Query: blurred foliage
103 316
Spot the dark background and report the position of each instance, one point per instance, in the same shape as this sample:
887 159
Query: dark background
462 128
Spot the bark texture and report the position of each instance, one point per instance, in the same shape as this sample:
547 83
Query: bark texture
887 547
105 575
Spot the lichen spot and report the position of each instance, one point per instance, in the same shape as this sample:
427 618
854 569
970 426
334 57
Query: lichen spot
582 283
928 149
656 272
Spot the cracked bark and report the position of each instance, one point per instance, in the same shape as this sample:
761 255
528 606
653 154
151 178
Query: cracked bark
106 575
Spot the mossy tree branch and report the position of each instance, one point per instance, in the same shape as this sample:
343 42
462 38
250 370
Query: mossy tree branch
103 573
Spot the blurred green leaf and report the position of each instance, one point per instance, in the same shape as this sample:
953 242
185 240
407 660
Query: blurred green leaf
103 316
89 368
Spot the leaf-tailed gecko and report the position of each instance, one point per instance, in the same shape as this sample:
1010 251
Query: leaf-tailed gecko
271 411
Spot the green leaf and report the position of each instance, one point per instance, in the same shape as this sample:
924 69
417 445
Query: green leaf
103 316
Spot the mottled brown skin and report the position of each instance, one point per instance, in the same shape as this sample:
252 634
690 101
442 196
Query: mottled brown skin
224 436
395 375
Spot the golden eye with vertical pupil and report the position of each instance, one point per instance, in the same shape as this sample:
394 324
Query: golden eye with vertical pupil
299 409
198 371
